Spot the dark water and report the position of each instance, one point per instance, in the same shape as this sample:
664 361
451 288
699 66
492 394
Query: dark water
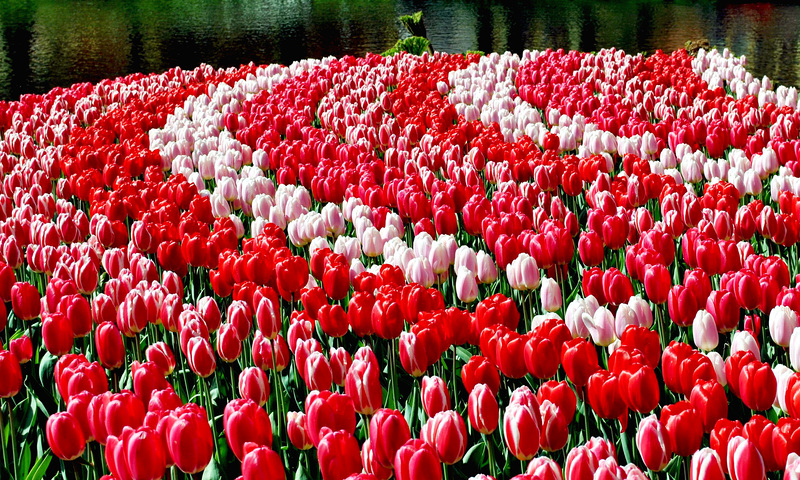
47 43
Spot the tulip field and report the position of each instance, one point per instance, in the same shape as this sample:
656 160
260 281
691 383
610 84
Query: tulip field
547 266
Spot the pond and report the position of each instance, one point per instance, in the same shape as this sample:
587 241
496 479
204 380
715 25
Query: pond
48 43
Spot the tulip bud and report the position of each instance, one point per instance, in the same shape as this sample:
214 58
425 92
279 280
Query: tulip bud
483 410
244 421
782 323
254 385
64 435
744 460
160 354
339 455
551 295
704 330
447 434
416 460
10 375
435 395
388 431
706 465
262 463
296 429
653 443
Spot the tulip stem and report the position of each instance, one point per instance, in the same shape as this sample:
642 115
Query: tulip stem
10 433
490 451
392 371
204 386
3 443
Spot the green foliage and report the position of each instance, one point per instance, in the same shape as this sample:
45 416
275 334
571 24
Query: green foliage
414 25
475 52
413 45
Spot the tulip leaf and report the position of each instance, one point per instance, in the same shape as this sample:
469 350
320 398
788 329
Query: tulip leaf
46 366
212 471
40 467
24 464
475 454
463 354
301 473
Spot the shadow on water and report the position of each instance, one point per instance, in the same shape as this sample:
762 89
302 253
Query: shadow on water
47 43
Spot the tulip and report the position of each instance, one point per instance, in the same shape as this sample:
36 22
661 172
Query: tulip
262 463
254 385
22 348
245 422
25 301
339 455
416 460
521 430
757 385
551 295
480 370
64 435
483 410
704 330
10 375
446 433
581 463
744 460
466 285
782 323
189 439
657 282
579 359
706 465
604 395
684 429
160 354
794 349
297 430
328 410
601 326
388 431
555 432
317 372
363 384
653 444
371 465
57 334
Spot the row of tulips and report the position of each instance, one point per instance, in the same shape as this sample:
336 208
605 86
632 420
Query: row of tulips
361 268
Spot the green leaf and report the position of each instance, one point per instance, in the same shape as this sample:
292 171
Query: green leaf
212 471
46 366
301 473
463 354
25 461
40 467
475 453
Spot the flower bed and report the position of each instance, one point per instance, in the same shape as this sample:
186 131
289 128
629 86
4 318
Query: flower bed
547 266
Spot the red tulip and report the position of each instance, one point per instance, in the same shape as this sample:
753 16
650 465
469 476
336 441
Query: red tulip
604 395
416 460
64 435
329 410
317 372
706 465
371 465
657 283
579 359
757 385
268 317
297 430
581 463
109 345
560 394
244 421
262 463
10 375
22 348
447 434
521 430
339 455
292 274
483 410
653 443
25 301
147 378
363 385
57 334
435 395
189 439
160 354
333 320
388 431
254 385
201 357
340 364
710 402
555 429
480 370
638 387
744 460
683 426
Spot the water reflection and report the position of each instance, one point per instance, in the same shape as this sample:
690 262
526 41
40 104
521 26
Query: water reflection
44 43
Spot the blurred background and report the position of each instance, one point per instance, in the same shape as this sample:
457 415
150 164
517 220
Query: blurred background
48 43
